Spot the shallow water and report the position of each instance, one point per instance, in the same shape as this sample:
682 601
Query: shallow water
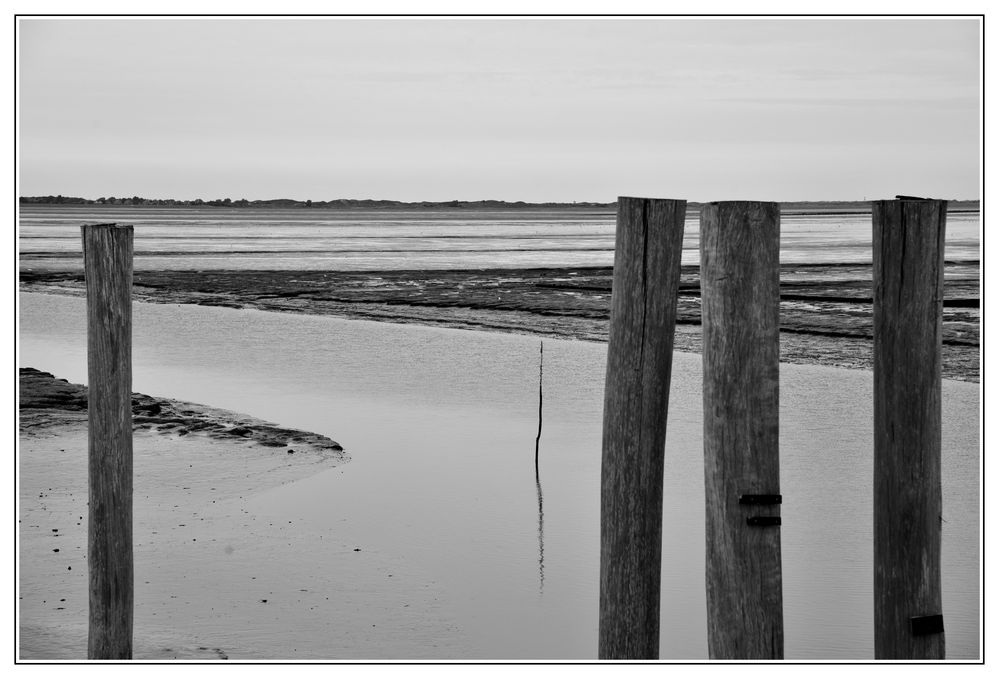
440 425
365 240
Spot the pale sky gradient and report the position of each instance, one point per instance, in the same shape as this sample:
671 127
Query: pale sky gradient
534 109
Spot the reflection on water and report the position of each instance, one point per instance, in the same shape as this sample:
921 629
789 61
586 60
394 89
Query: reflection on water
439 425
541 538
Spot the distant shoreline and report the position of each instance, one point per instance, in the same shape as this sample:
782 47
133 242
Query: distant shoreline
787 207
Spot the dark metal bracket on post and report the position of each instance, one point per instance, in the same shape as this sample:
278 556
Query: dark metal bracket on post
926 624
763 521
759 499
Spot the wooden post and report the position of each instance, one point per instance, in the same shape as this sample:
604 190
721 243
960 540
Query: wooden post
639 358
908 305
107 256
740 297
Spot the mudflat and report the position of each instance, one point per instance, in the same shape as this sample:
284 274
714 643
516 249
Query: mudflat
826 310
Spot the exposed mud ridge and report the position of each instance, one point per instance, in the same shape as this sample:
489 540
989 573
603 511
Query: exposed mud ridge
826 310
48 401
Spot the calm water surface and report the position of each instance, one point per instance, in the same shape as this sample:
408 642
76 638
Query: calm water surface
440 425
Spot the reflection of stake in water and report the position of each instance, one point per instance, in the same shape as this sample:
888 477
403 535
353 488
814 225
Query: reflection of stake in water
537 478
541 539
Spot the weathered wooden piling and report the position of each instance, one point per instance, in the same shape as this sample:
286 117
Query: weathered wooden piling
908 306
740 297
107 254
639 359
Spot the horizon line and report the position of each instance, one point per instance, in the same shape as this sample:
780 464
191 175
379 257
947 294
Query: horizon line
37 197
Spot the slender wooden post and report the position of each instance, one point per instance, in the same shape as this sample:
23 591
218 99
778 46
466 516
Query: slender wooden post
639 358
740 297
908 306
107 255
541 399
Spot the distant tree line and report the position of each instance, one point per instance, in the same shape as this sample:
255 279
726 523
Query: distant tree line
134 200
291 203
348 203
58 200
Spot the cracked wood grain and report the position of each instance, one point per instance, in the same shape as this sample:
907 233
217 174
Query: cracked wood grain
639 358
908 306
740 296
107 252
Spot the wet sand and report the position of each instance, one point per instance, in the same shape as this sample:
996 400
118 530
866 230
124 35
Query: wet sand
826 310
213 579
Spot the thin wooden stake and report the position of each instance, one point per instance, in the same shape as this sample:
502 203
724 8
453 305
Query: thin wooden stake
740 296
639 359
541 397
107 254
908 306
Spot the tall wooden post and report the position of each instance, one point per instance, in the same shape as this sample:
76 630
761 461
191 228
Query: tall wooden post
639 358
908 306
740 297
107 255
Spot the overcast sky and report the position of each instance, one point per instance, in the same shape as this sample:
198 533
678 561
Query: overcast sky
534 110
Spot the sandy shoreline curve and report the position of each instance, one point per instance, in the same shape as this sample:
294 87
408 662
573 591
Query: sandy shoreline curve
184 453
216 577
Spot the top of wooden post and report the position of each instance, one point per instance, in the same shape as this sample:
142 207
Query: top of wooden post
741 202
86 227
673 200
925 206
912 198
